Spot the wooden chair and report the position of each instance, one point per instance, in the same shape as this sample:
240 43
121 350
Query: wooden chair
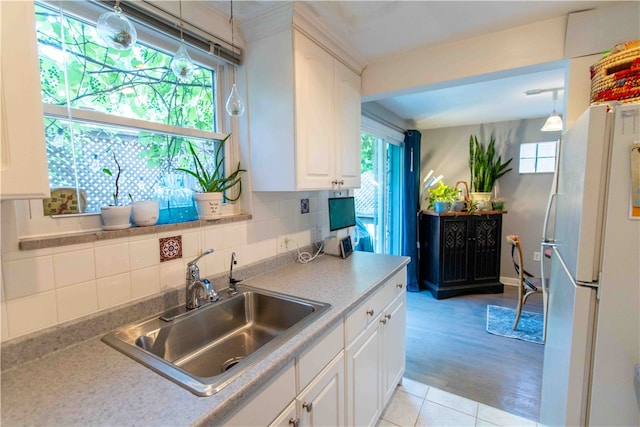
528 285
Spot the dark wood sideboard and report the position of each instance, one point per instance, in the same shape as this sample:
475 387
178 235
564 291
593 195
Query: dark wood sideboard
460 253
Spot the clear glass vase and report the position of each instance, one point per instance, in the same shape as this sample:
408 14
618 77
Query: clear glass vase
175 201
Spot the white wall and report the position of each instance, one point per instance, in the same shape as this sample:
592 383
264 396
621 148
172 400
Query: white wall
446 151
45 287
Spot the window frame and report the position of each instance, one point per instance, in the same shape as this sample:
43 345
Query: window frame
537 157
30 218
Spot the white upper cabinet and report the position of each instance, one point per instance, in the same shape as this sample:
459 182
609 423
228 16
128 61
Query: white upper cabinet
304 114
23 155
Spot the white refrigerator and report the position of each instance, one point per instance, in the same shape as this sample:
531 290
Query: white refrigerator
593 320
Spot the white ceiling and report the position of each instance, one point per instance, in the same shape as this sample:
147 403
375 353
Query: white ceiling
378 30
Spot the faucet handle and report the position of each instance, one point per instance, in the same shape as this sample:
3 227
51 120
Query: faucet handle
196 259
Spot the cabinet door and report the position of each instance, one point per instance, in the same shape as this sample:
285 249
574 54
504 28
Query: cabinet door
454 250
23 168
393 347
347 121
322 402
287 418
485 251
363 381
314 111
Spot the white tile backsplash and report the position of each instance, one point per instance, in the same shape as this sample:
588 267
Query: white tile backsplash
27 277
113 290
74 267
191 244
144 253
4 326
114 259
31 313
172 274
145 281
43 287
76 300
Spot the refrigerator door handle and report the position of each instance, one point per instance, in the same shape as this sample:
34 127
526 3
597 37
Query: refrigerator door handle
545 227
552 195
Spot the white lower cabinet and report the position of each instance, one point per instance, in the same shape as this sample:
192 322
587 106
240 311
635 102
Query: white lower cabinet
363 378
376 358
328 385
393 346
321 403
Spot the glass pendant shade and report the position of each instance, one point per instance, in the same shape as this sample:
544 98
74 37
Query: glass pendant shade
182 65
235 104
116 31
553 123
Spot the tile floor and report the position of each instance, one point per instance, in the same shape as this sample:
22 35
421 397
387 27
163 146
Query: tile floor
416 404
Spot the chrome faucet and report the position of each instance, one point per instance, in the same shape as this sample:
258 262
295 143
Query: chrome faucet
233 288
198 290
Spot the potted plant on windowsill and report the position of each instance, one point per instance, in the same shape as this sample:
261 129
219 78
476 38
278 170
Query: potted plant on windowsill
213 184
441 197
485 168
115 216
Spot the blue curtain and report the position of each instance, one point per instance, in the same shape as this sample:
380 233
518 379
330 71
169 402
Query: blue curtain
411 206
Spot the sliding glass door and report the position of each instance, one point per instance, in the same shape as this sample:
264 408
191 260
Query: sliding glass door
378 200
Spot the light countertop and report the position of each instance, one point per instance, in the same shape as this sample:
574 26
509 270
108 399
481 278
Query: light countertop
91 383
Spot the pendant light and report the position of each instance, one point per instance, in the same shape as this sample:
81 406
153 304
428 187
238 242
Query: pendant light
181 63
115 29
554 122
235 104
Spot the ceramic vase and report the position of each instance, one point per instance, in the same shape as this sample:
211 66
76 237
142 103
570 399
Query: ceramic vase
209 205
115 217
145 213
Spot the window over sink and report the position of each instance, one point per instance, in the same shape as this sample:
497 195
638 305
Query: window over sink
103 105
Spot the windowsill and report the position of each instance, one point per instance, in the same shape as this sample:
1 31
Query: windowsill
94 236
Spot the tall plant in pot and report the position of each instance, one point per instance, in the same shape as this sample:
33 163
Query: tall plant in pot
115 216
213 183
485 168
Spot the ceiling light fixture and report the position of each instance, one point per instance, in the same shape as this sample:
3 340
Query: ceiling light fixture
181 63
235 104
554 122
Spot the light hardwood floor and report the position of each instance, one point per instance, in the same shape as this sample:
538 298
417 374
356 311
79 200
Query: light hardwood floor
448 348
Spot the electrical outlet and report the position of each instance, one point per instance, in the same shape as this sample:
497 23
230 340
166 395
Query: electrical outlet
319 233
283 243
536 256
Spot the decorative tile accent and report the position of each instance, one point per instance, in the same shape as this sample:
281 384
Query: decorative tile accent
304 206
170 248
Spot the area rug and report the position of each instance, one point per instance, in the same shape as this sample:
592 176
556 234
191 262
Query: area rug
500 322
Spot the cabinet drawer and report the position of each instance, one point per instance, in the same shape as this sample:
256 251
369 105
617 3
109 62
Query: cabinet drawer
315 358
358 320
394 287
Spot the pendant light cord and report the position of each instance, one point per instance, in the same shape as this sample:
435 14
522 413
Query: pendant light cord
180 8
233 46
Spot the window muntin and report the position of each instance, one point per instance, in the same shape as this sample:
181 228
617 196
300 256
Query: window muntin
117 102
538 157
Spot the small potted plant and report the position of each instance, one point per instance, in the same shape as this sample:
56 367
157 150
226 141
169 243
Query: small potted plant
115 216
441 197
497 204
213 184
485 168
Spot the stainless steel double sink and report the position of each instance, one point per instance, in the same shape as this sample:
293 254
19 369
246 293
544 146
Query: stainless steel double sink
205 349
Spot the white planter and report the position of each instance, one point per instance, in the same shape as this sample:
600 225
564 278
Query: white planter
477 196
115 217
209 205
145 213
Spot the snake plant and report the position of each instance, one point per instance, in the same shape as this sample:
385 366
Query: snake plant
485 168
